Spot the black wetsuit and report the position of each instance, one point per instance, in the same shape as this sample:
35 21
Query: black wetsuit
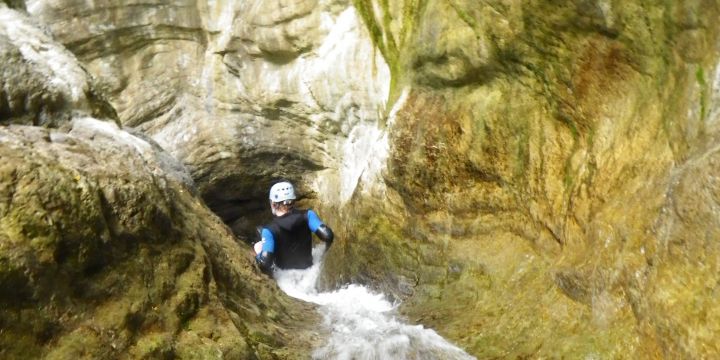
287 240
293 240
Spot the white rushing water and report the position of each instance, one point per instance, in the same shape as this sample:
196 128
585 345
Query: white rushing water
363 324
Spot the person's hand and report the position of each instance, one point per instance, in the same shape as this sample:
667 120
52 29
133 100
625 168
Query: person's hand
258 246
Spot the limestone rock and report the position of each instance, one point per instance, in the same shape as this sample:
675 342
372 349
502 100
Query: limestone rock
674 298
243 93
532 179
533 208
106 253
42 82
278 31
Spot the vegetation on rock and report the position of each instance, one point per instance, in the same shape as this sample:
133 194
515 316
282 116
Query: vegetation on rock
549 189
532 177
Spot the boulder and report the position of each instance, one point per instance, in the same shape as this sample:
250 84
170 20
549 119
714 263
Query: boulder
106 252
42 82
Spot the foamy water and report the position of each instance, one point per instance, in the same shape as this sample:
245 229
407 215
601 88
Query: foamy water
363 324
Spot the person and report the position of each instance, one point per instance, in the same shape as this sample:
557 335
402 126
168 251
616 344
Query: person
286 242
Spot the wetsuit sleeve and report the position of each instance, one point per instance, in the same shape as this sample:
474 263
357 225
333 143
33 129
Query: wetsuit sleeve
269 244
319 228
313 221
266 256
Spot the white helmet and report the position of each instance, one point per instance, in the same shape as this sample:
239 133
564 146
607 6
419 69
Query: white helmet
282 191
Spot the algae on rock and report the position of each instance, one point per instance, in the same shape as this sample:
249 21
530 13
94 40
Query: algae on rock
548 190
106 253
531 175
42 82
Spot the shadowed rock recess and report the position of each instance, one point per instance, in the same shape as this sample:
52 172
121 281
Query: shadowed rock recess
531 179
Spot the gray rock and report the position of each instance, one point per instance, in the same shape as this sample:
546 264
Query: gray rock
42 82
243 93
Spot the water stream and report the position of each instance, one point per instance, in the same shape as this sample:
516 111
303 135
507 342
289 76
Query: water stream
363 324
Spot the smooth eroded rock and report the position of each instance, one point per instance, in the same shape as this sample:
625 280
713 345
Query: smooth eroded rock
105 252
42 82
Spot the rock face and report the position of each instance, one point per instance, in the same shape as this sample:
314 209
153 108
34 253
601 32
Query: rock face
242 92
550 177
43 83
106 253
106 250
533 180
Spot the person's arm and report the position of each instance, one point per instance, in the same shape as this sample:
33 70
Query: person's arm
319 228
266 256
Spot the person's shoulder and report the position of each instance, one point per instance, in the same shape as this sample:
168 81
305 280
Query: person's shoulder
301 211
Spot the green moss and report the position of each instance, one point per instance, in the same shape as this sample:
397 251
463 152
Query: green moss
18 339
411 13
467 18
83 343
522 152
392 46
154 346
388 50
191 346
568 179
700 77
261 337
377 35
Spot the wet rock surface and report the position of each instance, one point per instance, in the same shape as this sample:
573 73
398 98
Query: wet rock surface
107 253
532 180
534 158
42 82
106 248
243 93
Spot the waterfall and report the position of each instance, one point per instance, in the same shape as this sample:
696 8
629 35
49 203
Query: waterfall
363 324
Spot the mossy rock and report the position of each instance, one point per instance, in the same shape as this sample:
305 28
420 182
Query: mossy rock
530 170
104 252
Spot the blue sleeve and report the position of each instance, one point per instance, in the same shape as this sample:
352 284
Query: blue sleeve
313 221
269 244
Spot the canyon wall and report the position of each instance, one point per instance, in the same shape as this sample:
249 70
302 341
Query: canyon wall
242 92
106 248
551 179
531 179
